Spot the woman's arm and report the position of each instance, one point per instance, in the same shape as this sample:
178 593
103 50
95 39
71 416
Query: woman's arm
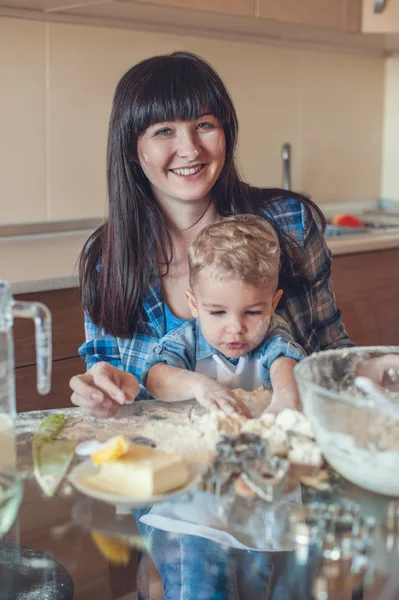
326 316
105 385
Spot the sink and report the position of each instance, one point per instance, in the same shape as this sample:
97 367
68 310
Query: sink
380 215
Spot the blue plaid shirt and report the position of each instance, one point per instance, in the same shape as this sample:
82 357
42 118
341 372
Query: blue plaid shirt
186 345
309 309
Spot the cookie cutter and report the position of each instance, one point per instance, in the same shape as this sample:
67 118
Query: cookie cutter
343 537
244 455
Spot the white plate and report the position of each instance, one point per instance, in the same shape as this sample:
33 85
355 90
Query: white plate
86 468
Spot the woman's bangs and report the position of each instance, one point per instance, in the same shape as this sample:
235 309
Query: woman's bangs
177 96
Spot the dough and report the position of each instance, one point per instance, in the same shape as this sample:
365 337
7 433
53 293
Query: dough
257 400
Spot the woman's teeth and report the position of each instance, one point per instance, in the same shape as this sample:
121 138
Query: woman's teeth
189 171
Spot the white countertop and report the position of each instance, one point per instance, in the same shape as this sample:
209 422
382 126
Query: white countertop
368 242
34 263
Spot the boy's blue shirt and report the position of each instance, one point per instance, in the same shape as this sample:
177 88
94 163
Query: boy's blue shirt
185 346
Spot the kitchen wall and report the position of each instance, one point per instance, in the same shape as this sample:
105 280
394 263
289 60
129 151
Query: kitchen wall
57 82
390 170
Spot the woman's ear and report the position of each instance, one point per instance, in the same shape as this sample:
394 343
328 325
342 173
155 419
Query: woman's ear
192 303
276 298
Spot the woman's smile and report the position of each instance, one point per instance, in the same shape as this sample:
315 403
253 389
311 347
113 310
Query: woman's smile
183 159
188 171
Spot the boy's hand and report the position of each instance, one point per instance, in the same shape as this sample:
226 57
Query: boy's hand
213 395
285 398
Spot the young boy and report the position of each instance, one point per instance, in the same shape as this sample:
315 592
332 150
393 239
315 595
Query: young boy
234 340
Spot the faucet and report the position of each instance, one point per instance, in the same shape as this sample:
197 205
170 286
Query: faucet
286 156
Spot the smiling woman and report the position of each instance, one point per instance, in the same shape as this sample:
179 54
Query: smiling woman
171 172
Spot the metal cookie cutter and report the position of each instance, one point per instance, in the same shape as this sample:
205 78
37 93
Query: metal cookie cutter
233 453
343 537
267 478
244 456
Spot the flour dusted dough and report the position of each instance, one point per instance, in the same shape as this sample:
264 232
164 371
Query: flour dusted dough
256 401
279 432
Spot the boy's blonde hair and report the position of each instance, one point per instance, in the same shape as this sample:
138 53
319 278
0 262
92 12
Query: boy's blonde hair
244 246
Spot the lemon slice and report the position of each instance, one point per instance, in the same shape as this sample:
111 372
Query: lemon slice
113 549
111 450
51 458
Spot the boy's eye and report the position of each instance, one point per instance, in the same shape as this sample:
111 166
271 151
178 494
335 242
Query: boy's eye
254 312
217 313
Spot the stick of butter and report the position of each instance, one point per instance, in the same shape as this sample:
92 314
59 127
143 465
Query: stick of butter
140 473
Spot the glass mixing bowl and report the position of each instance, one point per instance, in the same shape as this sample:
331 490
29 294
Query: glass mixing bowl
358 439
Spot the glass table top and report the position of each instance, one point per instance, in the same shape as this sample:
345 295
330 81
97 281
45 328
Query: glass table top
193 546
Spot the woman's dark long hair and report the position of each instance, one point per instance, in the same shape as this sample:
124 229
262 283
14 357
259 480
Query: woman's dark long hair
120 261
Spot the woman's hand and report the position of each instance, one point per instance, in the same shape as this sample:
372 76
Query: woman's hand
384 370
103 389
211 394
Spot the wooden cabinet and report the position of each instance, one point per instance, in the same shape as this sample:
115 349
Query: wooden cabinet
228 7
68 335
343 15
366 286
386 21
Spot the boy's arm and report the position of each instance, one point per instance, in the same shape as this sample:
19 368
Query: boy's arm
172 384
285 389
281 355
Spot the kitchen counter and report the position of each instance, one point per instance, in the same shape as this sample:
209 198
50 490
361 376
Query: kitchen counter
35 263
368 242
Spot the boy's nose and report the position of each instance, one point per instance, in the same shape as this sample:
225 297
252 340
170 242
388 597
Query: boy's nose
235 327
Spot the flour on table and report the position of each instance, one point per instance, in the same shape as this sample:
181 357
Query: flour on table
179 428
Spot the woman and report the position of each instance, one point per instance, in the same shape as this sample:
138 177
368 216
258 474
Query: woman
171 171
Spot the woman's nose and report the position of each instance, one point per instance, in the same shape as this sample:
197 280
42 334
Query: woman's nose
188 147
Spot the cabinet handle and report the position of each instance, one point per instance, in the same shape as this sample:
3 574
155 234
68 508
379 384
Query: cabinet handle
379 6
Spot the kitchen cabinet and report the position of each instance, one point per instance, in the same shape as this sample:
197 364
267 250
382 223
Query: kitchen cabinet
228 7
67 334
366 286
342 15
386 21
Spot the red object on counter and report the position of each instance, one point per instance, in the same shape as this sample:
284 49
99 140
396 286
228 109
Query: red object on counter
347 221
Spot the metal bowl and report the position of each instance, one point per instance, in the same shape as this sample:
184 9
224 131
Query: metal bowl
358 440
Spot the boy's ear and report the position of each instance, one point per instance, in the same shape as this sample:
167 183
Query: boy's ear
276 298
192 303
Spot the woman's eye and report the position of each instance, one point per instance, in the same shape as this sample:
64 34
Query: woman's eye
164 131
206 125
